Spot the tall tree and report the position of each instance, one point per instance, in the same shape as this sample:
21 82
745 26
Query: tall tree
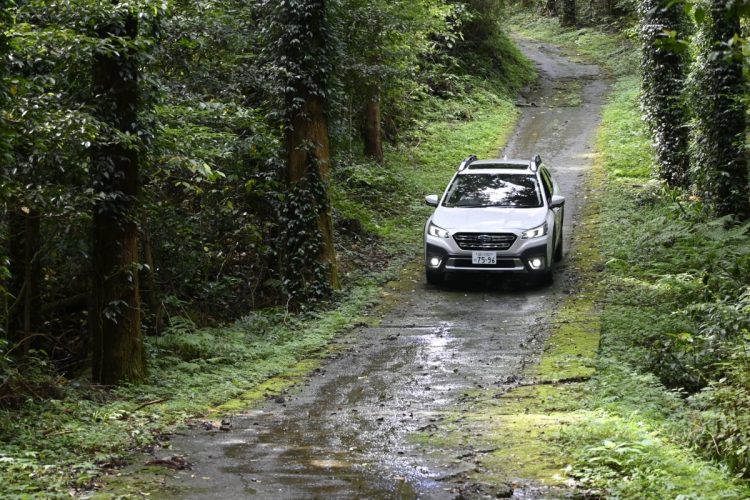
372 133
378 44
4 91
720 159
25 275
118 353
550 8
298 38
663 70
22 222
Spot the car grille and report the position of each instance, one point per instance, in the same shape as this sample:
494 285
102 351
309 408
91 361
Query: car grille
501 264
484 241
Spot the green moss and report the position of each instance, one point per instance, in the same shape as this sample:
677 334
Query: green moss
570 351
271 387
528 419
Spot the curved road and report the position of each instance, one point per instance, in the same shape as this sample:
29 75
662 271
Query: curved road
344 434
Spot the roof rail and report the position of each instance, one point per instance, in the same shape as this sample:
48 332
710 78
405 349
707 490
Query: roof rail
467 162
536 162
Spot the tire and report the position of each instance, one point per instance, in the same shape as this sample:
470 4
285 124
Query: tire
434 277
559 249
546 278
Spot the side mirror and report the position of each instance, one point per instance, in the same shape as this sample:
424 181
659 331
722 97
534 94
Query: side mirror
431 200
557 201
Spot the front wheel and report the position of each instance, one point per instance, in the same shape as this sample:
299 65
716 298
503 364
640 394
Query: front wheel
434 277
559 249
545 278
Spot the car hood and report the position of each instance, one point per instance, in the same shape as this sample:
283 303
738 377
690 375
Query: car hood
488 219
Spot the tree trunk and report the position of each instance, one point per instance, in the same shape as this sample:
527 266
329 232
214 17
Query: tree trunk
663 70
720 157
568 17
550 8
116 317
152 292
308 160
308 257
24 249
371 130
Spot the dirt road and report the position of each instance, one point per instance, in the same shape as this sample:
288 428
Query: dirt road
349 431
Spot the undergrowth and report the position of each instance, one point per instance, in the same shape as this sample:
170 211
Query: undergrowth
666 415
676 305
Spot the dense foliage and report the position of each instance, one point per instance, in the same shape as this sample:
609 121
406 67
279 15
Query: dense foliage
213 204
222 232
210 144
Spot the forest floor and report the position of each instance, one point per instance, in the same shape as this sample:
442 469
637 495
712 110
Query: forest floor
442 394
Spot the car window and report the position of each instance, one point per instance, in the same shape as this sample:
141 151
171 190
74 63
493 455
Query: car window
494 190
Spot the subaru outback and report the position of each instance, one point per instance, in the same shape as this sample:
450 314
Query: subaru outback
496 216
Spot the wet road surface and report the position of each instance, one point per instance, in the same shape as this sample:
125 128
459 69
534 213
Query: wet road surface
346 432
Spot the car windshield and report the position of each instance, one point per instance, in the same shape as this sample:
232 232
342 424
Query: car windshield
494 190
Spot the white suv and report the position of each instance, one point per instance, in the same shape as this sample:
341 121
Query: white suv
496 216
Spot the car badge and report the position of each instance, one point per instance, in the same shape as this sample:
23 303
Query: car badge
484 238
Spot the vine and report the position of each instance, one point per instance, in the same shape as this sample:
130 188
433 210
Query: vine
304 274
662 103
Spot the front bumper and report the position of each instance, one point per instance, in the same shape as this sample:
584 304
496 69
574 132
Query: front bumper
449 260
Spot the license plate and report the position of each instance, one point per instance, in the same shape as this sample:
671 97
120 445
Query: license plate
486 258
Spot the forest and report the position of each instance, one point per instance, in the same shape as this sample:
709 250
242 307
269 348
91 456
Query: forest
197 194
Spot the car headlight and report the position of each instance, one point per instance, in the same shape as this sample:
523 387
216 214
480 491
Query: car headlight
535 232
438 231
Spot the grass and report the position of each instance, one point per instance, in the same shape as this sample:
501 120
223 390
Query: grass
633 436
627 441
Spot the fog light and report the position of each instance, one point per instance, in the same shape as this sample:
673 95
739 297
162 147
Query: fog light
435 262
536 263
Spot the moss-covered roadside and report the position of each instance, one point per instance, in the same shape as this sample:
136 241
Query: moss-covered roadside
621 433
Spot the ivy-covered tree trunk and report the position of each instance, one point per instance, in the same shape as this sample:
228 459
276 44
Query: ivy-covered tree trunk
720 158
568 17
663 69
115 321
299 32
372 134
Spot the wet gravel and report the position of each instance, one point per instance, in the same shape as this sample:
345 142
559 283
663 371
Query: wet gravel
345 432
